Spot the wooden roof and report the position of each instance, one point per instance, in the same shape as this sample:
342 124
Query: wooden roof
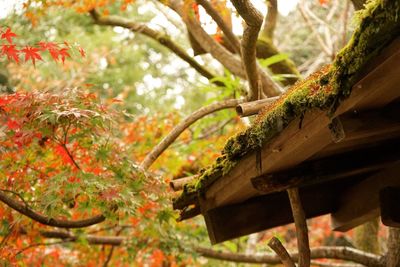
338 162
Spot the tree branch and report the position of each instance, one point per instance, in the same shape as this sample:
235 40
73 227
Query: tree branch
233 40
91 239
25 210
339 253
257 78
227 59
184 124
157 36
282 253
270 20
301 227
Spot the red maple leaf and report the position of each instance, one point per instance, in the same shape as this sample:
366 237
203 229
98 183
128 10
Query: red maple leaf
63 52
31 53
11 52
8 35
51 47
323 2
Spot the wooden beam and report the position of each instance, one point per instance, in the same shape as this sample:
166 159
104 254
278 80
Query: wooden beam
267 211
366 127
389 198
361 202
293 146
366 160
177 184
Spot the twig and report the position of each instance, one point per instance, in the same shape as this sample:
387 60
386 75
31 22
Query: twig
310 25
301 227
159 37
280 250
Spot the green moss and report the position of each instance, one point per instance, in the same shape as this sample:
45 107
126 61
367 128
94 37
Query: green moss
324 90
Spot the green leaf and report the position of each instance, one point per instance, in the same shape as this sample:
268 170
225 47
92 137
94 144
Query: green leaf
273 60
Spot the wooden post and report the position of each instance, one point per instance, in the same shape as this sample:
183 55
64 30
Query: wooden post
301 227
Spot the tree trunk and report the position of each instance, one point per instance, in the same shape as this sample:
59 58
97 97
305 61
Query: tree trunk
366 236
393 254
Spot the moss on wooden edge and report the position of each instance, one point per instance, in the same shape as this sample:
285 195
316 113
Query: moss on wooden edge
379 24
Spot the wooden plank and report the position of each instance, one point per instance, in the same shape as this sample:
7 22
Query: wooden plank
264 212
295 145
375 158
389 198
361 202
268 211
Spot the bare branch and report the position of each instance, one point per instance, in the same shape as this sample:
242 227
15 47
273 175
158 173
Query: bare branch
324 47
184 124
257 78
233 40
282 253
161 38
301 227
25 210
340 253
91 239
229 60
253 19
270 20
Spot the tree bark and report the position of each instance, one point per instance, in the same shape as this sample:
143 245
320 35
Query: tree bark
366 236
393 254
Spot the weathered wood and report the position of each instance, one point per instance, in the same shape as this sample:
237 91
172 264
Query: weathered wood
337 131
361 202
268 211
366 160
362 128
253 107
189 213
295 145
303 244
177 184
389 198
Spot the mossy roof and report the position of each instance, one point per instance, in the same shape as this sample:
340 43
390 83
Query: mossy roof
378 25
